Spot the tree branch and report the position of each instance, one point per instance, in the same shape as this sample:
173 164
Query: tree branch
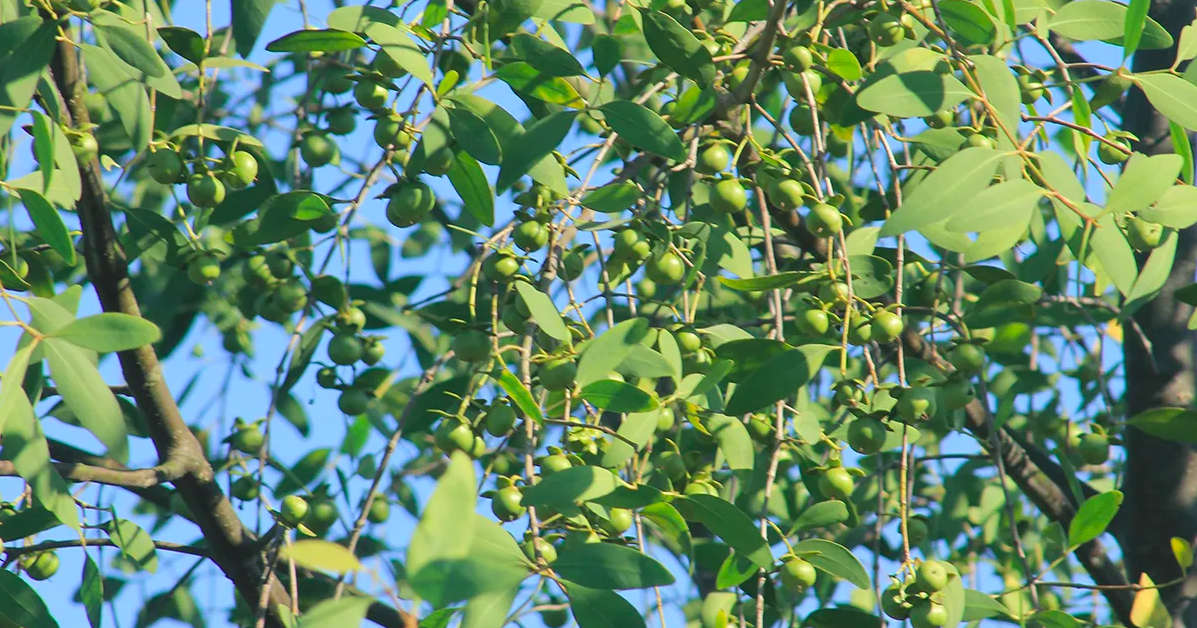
131 478
54 545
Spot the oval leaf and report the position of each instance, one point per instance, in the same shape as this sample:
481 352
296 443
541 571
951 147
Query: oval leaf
324 40
1093 517
644 129
609 566
835 559
732 526
616 396
110 331
573 485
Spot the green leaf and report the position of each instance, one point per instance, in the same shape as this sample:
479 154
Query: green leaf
19 72
401 47
543 311
945 191
473 134
525 79
249 16
359 18
1174 424
469 181
835 559
978 606
446 522
1009 292
1117 258
519 394
603 354
1093 517
644 129
637 427
775 281
321 40
1001 92
777 379
616 396
308 468
730 524
612 198
218 133
488 610
840 618
734 441
844 64
969 21
545 57
185 42
91 592
749 355
1144 180
85 393
27 522
1176 208
669 522
322 556
913 94
11 391
492 563
1187 48
126 97
109 331
1133 25
21 606
573 485
1086 20
131 46
43 149
734 571
595 608
49 224
610 566
820 515
535 143
135 544
677 47
998 206
571 11
347 611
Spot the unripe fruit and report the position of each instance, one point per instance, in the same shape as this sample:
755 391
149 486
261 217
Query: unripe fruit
886 30
860 331
1144 235
916 404
245 489
1111 155
342 121
391 133
439 162
967 358
887 326
352 319
410 204
243 169
917 529
555 617
931 576
531 235
836 483
85 147
835 292
824 220
500 419
370 95
687 340
344 349
248 440
728 196
554 463
813 322
372 351
797 574
353 401
713 159
893 604
1030 88
801 120
505 503
1094 448
787 194
317 150
617 522
40 566
293 510
322 514
928 615
547 552
558 374
380 510
867 435
668 269
386 66
326 378
165 166
204 190
500 267
572 265
956 394
799 58
204 268
978 140
630 244
472 345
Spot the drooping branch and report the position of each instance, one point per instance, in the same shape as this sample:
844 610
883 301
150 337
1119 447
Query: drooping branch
55 545
131 478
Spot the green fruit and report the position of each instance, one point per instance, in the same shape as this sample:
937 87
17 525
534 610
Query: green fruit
797 575
342 121
887 326
248 440
279 264
668 269
531 235
848 394
453 435
956 394
866 435
554 463
893 603
728 196
40 566
787 194
713 159
204 268
540 546
917 529
372 351
916 404
665 420
353 319
977 140
687 340
931 576
243 168
798 58
1030 88
801 121
836 483
391 133
204 190
886 30
558 374
572 265
354 401
386 66
245 489
824 220
1094 448
344 349
501 267
317 150
813 322
834 292
370 95
1111 155
472 345
439 162
500 419
505 503
941 119
617 522
85 147
165 166
967 358
293 510
336 81
672 465
326 378
322 514
928 615
410 204
646 288
257 271
838 146
380 510
860 331
554 618
761 429
631 245
702 487
1143 235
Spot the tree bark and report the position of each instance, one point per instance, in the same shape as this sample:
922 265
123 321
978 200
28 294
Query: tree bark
1161 476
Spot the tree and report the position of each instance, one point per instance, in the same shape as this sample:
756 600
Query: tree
815 312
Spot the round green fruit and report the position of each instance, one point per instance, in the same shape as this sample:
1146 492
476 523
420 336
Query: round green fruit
836 483
322 514
834 292
165 166
370 95
886 30
248 440
204 268
931 576
572 265
293 510
317 150
688 340
354 401
813 322
916 404
917 529
713 159
85 147
500 419
956 394
928 615
204 190
380 510
558 374
505 503
501 267
439 162
617 522
453 435
801 120
410 204
531 235
668 269
342 121
386 66
391 133
887 326
540 546
1113 155
728 196
787 194
867 435
977 140
797 575
555 617
40 566
472 345
372 351
630 244
798 58
894 604
344 349
243 168
1030 88
968 358
1094 448
824 220
1144 235
554 463
245 488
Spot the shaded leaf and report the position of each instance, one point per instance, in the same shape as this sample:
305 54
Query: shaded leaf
913 94
596 608
677 47
610 566
135 544
572 485
21 606
730 524
321 40
616 396
543 311
109 331
469 181
777 379
947 190
322 556
85 393
835 559
644 129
